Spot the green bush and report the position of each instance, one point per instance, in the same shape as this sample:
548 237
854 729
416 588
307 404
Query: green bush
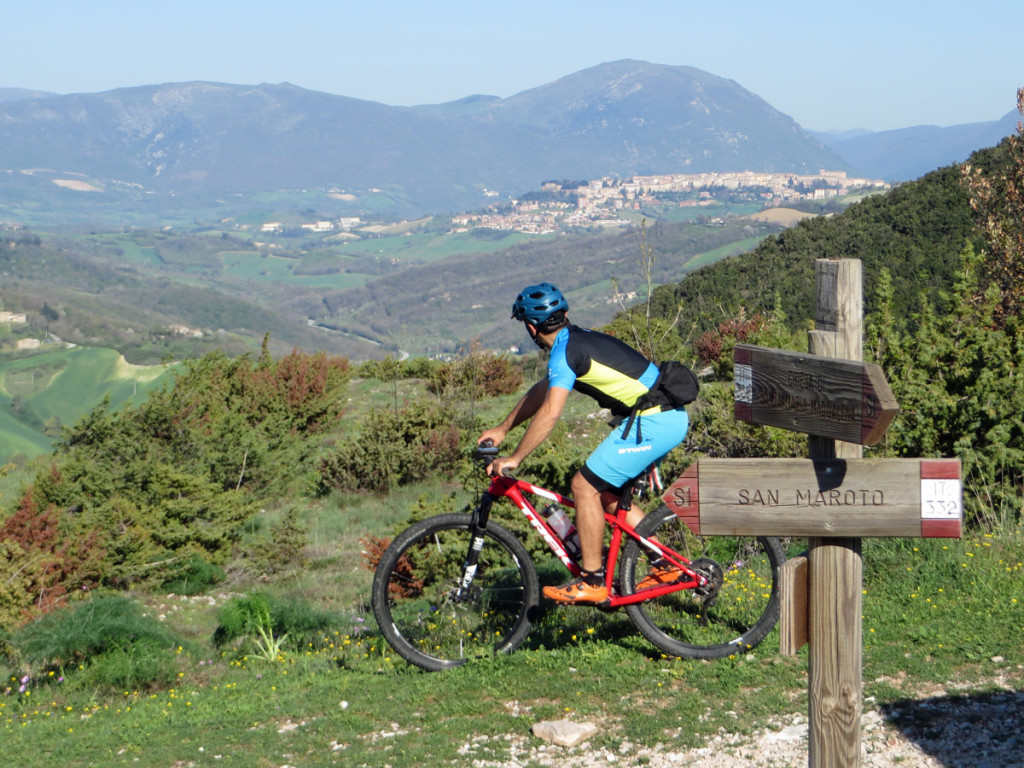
956 378
109 637
476 375
194 577
255 618
175 479
143 664
394 448
281 547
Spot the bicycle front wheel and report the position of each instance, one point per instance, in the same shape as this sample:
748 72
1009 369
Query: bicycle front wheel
731 614
428 619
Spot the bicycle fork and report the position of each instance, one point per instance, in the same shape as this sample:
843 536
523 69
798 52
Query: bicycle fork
469 566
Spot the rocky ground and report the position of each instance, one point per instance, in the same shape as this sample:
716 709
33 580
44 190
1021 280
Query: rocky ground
932 730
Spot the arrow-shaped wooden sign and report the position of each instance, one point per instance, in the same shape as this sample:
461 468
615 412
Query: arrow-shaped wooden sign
843 400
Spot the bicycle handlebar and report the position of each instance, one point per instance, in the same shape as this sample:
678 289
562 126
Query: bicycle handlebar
486 452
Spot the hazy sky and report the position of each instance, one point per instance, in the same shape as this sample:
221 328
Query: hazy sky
829 65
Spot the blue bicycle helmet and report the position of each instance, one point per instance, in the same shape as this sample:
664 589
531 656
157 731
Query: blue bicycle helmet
536 304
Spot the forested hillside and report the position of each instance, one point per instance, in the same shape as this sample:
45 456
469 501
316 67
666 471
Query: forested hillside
916 231
944 293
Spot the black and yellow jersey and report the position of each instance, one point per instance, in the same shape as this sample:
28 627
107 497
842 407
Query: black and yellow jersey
599 365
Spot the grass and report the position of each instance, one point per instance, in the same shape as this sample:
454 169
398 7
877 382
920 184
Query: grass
937 613
278 269
430 246
63 386
709 257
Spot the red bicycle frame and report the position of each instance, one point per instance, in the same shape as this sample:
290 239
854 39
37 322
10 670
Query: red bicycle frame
516 491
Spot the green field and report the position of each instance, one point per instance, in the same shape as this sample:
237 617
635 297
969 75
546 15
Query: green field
139 254
732 249
431 246
247 265
54 389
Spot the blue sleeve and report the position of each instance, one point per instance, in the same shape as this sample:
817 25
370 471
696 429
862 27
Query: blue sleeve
559 373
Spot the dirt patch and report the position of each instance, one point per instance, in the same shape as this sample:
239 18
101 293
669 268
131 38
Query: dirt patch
932 729
76 185
786 217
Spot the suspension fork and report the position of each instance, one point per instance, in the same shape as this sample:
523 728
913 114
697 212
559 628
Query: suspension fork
477 525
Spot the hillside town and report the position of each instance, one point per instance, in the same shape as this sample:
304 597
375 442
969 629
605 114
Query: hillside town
601 202
606 202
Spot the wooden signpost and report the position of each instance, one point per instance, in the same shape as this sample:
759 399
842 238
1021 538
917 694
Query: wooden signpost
820 497
835 497
839 399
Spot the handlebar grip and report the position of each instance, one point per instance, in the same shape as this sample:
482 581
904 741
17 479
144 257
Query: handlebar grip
486 450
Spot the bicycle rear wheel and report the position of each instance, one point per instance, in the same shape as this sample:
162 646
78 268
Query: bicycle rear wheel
418 606
732 614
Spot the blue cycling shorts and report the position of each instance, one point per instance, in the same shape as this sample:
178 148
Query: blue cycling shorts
620 457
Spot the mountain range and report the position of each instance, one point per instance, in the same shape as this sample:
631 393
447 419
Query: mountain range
905 154
200 142
176 146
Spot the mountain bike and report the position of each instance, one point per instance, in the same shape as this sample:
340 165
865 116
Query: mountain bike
459 586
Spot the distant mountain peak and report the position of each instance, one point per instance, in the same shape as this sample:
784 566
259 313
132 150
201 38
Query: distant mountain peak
19 94
208 139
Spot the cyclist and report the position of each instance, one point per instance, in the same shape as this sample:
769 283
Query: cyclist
616 375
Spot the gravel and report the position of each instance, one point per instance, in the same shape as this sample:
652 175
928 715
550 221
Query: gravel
936 730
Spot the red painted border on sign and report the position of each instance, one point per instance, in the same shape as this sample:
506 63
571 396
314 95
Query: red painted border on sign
940 469
941 529
683 497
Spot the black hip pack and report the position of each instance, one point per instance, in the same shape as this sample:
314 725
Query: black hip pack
675 387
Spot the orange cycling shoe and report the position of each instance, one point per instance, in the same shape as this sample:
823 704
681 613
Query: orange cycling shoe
660 574
578 591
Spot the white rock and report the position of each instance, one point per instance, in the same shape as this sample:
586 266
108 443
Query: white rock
564 733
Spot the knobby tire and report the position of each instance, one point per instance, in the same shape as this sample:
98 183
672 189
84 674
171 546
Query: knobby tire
415 601
732 615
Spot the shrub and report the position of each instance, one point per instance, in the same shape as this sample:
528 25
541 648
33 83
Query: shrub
194 577
280 548
109 635
394 448
41 566
134 495
259 619
475 376
145 663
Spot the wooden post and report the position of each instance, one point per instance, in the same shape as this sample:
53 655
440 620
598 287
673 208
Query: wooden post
835 578
835 499
793 608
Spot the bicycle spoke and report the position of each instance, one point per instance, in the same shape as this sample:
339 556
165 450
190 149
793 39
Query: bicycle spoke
424 614
735 609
